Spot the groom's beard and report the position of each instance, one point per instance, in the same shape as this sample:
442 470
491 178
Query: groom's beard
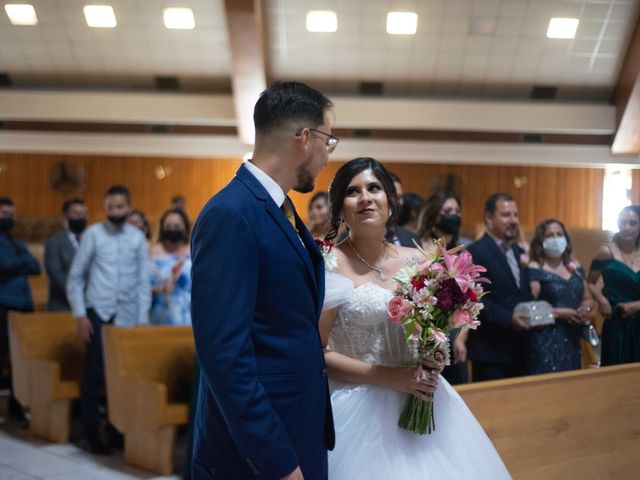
305 180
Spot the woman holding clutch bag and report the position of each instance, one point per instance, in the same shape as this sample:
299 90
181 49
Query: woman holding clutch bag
618 263
559 279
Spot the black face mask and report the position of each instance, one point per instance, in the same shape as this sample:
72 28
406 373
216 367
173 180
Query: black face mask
449 224
117 221
77 225
6 224
172 235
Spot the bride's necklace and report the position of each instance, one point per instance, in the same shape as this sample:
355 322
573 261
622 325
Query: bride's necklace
380 271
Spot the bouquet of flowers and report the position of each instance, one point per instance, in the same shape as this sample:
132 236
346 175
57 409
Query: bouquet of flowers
328 254
431 299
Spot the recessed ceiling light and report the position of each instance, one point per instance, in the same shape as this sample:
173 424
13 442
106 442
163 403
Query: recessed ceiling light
21 14
402 23
179 18
562 27
322 21
100 16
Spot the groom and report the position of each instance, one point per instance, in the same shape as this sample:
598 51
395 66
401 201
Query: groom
258 288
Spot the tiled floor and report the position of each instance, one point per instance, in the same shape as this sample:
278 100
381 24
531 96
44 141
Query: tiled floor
25 457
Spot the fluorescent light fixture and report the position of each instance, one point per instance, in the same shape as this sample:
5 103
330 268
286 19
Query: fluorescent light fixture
21 14
100 16
402 23
322 21
562 27
179 18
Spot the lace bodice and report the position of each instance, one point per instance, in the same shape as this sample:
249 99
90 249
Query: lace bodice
362 330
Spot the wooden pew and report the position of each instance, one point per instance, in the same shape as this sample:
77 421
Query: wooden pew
573 425
47 359
148 375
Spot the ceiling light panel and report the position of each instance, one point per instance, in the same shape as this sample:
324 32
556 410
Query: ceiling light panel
179 18
21 14
100 16
322 21
562 27
402 23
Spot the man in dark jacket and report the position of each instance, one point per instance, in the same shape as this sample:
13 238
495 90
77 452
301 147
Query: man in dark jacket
498 347
15 294
60 250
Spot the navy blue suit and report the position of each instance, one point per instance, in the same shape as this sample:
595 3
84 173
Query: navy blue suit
257 295
495 348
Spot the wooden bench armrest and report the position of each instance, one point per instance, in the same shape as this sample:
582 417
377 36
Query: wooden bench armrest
141 406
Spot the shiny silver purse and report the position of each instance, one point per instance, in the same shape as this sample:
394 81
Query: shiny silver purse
590 335
539 313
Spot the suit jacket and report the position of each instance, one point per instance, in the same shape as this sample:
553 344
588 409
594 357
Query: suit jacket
405 237
58 256
16 263
495 340
257 296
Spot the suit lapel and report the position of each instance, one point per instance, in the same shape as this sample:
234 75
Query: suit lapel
281 221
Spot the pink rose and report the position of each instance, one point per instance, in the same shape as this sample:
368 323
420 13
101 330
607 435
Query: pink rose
524 259
398 309
461 318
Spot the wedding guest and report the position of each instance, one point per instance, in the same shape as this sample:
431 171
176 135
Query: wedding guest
318 215
139 219
558 278
402 236
60 249
179 202
618 263
171 271
440 219
16 264
108 284
498 348
412 206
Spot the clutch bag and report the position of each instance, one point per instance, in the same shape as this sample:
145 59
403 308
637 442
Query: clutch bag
539 313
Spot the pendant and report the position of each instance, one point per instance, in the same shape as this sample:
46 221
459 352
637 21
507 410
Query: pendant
383 277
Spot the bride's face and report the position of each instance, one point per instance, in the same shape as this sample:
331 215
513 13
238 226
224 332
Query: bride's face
365 202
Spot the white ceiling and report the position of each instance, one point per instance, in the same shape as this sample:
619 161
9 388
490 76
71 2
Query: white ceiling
442 59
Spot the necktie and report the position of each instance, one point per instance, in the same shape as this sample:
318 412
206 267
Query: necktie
287 208
512 262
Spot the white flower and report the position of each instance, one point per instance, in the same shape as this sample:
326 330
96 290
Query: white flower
330 261
405 274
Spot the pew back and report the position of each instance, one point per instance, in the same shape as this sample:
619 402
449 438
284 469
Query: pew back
43 336
581 424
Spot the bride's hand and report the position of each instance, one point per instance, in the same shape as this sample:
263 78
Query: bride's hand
405 379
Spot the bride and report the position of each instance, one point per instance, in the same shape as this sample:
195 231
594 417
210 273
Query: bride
370 366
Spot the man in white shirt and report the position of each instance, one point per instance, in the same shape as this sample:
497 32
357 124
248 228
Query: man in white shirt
108 283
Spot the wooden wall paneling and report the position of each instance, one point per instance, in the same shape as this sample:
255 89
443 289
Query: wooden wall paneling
571 194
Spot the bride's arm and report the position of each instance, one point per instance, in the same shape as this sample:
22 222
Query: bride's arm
347 369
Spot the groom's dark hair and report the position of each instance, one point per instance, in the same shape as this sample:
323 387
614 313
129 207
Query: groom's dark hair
340 183
289 103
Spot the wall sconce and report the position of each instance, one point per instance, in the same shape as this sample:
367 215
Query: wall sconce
162 172
520 181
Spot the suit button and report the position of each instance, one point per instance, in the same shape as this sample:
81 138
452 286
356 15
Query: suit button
324 372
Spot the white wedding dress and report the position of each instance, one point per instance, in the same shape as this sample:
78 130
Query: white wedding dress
369 443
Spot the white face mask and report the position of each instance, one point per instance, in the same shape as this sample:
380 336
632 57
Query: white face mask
555 246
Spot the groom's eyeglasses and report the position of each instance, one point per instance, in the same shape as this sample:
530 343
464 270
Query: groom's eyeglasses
332 142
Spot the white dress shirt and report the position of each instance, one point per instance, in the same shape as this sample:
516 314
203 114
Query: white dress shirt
110 273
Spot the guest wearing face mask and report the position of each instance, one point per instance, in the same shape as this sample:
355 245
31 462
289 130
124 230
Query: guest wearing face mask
16 263
59 251
108 284
171 271
440 218
558 278
139 219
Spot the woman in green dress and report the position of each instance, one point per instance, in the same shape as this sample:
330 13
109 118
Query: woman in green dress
618 263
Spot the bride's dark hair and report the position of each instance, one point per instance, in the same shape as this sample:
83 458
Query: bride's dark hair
338 189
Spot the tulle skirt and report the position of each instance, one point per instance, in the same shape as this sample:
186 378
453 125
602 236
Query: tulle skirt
371 446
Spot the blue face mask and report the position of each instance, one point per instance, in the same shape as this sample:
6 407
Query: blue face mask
554 247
